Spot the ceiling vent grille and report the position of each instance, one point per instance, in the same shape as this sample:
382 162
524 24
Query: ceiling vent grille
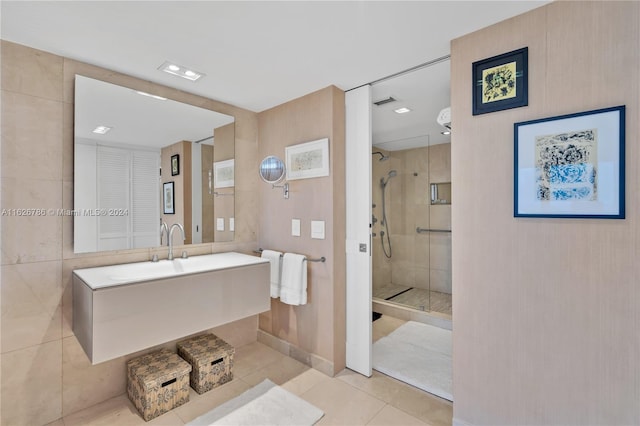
385 101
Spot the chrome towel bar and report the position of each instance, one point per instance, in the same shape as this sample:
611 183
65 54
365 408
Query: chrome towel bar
322 259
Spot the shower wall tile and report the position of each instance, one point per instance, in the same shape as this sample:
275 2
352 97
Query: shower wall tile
403 273
422 277
31 385
31 137
31 304
440 251
440 163
440 216
403 248
422 216
440 280
422 244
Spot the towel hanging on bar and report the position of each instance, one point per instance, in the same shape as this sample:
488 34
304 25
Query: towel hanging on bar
274 258
293 289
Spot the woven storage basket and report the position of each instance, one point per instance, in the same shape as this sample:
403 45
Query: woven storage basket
211 359
158 382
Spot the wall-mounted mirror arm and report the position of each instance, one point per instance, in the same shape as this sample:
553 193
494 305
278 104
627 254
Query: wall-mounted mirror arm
272 170
285 189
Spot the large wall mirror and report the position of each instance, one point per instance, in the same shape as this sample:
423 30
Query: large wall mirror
141 161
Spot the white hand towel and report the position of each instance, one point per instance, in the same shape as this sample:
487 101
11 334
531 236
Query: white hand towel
274 258
293 290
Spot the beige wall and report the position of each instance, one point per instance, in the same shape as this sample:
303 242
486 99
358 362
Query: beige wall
223 206
546 313
181 188
208 218
45 374
318 327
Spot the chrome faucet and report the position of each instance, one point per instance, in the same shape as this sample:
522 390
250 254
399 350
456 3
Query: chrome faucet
170 256
164 229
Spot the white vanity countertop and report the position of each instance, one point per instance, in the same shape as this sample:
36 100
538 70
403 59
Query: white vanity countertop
127 273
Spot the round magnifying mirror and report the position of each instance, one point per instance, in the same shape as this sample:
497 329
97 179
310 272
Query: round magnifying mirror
272 169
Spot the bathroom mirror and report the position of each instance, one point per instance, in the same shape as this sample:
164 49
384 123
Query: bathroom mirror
272 169
127 144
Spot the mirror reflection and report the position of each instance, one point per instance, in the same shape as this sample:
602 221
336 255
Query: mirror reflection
272 169
131 147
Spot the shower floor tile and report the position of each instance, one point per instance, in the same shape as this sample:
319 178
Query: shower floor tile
388 291
418 298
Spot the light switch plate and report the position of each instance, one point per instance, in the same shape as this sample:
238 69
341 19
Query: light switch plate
295 227
232 224
317 229
220 224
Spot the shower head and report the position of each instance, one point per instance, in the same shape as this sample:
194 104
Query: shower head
382 156
383 183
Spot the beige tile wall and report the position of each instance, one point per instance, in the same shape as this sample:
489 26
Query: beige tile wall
44 373
418 260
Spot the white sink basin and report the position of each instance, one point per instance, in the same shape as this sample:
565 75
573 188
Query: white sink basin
107 276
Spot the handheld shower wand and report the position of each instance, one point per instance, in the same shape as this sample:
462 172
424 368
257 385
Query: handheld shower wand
385 222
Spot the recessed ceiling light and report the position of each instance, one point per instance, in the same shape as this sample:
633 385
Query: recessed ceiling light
446 132
401 110
101 130
160 98
180 71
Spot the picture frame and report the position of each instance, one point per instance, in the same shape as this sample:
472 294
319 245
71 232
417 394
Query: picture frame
307 160
571 166
168 198
224 174
175 165
501 82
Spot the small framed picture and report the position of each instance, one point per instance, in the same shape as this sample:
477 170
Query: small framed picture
571 166
501 82
168 198
175 165
308 160
223 173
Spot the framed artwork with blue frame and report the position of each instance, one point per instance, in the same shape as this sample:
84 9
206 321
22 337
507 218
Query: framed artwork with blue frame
501 82
571 166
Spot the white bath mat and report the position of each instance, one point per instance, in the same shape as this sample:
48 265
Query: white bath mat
265 404
417 354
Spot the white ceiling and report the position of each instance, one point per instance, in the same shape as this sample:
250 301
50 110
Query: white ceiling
257 55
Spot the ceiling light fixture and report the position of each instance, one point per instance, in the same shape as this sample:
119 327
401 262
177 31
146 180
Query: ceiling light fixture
446 132
180 71
401 110
160 98
101 130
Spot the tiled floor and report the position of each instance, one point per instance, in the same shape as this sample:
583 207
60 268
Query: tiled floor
416 298
347 399
422 299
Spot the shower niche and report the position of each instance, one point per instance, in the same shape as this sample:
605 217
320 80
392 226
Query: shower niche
440 193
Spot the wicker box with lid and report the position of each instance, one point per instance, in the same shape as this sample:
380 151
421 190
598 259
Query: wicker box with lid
211 359
158 382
